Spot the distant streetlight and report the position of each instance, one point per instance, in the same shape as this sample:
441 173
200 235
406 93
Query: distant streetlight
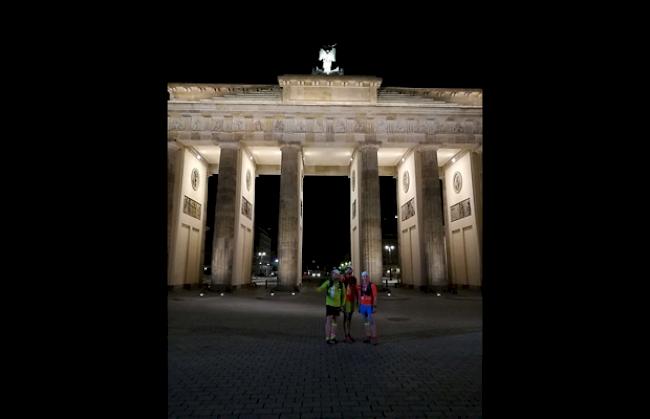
260 254
390 261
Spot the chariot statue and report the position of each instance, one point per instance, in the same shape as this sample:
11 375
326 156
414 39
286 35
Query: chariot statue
327 55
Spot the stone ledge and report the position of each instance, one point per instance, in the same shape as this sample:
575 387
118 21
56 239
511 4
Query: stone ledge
337 81
316 89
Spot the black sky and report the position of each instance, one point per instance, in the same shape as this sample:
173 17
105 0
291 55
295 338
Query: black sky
423 60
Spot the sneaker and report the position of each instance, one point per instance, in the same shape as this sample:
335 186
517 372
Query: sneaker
329 341
347 339
366 340
351 338
333 340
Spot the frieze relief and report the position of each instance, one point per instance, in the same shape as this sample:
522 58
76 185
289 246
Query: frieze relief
227 124
217 124
257 125
176 124
309 125
249 124
301 126
237 124
339 125
290 125
394 126
380 125
329 125
268 124
411 126
319 125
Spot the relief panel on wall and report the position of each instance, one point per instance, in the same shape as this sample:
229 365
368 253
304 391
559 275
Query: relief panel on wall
408 209
246 208
460 210
191 207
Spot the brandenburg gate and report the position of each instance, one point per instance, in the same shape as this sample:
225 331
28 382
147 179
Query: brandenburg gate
429 139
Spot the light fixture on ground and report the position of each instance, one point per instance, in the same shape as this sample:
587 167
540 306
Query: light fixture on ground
222 294
201 295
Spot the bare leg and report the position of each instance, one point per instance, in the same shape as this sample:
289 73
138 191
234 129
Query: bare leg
328 327
333 335
373 330
366 325
350 327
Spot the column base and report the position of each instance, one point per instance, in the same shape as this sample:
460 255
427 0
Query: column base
221 288
179 287
286 288
435 288
453 288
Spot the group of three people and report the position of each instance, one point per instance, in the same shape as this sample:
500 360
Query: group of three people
344 294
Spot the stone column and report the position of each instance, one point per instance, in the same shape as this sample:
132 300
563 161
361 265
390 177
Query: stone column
289 218
432 230
223 247
174 174
370 252
445 214
477 186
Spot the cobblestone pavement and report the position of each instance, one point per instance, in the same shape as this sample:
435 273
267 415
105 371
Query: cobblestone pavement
251 355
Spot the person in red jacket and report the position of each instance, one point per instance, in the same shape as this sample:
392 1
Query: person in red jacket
367 306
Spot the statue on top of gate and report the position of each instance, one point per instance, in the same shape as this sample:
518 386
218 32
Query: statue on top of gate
327 55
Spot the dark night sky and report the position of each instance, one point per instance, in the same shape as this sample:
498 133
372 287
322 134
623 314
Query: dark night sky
418 61
326 208
415 60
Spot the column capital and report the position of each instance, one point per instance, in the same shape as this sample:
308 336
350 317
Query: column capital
369 144
428 147
229 144
173 146
290 144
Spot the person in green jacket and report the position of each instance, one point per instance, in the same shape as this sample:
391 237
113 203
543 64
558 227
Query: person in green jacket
334 300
